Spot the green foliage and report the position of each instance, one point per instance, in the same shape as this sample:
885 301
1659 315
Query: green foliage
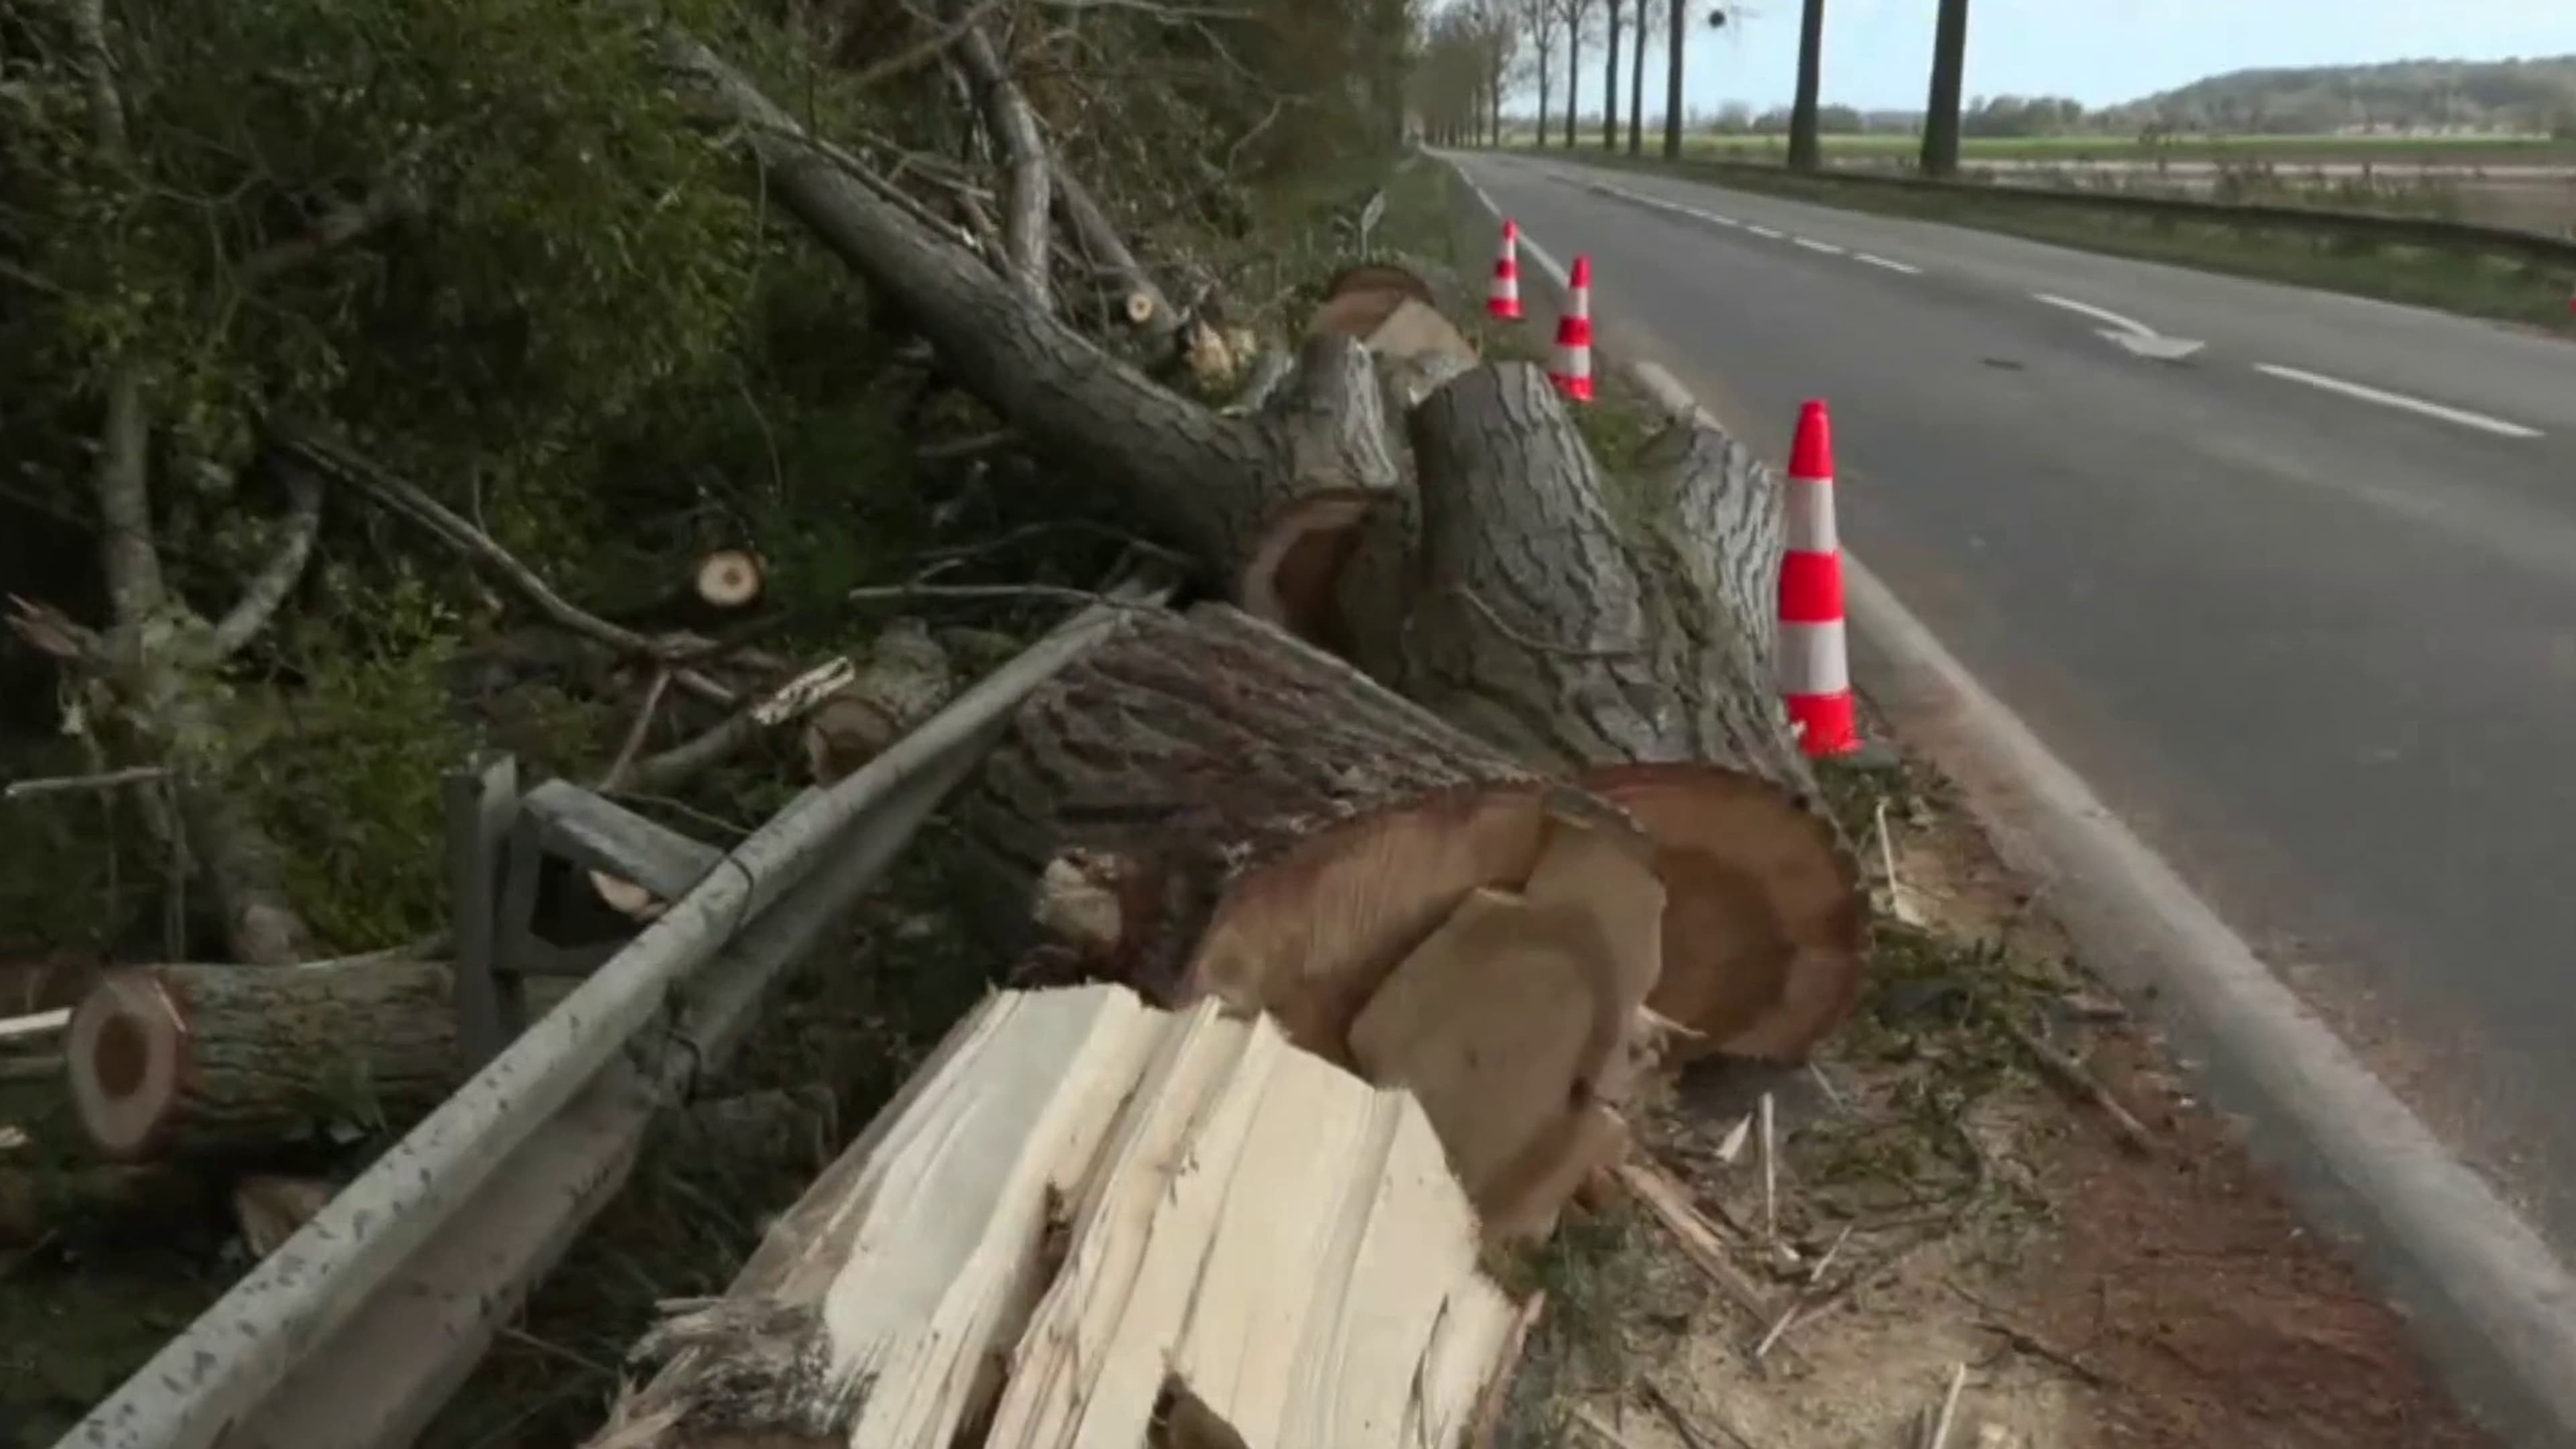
350 776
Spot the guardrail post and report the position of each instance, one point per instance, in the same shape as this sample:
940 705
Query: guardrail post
482 805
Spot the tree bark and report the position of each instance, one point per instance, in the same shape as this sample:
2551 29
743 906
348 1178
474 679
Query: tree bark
187 1060
1806 150
1677 30
1637 80
1010 1256
1249 495
1207 806
1610 81
1622 632
1949 72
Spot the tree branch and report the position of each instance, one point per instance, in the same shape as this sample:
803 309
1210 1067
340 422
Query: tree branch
262 596
1014 128
408 499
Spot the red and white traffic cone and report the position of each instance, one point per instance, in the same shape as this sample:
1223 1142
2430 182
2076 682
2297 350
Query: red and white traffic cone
1815 665
1571 368
1504 301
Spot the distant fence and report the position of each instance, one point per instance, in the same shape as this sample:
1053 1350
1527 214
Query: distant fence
2537 248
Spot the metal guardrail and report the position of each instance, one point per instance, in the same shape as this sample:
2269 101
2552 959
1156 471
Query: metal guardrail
2419 231
355 1330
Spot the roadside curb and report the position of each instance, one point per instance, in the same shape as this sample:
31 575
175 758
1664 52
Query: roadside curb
2494 1306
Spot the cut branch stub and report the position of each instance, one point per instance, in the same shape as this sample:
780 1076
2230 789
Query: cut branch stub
1213 807
730 578
1619 629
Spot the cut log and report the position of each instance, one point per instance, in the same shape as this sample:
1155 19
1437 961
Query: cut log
1090 1221
1511 1019
729 578
218 1059
905 681
1251 496
1214 808
1632 648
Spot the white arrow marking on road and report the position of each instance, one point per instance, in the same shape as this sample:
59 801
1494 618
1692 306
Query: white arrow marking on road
2139 338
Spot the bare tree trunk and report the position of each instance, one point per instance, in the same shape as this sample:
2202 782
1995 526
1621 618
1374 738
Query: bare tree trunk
1610 83
1949 71
1573 77
1677 30
1637 81
1806 152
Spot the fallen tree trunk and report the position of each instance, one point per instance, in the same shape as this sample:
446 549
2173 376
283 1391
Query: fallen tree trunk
1207 806
1619 629
1505 581
179 1060
1013 1255
1246 495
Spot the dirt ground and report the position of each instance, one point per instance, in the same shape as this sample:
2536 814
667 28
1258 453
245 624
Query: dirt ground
1943 1202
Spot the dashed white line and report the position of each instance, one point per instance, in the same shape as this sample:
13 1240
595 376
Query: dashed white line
1813 245
1906 267
2461 416
1764 231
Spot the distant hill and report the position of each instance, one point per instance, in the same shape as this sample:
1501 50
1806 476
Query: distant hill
2407 95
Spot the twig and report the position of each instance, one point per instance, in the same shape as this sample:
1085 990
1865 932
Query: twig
63 784
636 732
1816 1274
1940 1434
406 498
1770 1176
1682 1423
2070 1074
2022 1339
1590 1423
912 56
1669 1204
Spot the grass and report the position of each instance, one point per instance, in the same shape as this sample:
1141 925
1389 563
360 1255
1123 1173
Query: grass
2471 284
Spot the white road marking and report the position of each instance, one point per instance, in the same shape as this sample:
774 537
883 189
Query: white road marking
1813 245
2098 314
2464 418
1763 231
2132 335
1906 268
1716 220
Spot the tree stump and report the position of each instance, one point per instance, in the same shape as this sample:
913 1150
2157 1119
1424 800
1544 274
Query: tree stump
1009 1256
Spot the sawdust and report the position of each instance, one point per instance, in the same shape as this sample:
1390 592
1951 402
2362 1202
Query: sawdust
1969 1211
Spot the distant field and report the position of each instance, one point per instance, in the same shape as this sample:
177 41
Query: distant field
2383 150
2391 150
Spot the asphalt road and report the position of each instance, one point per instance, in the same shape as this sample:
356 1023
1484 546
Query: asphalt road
2301 606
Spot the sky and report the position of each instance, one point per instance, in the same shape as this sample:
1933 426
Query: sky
1878 52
